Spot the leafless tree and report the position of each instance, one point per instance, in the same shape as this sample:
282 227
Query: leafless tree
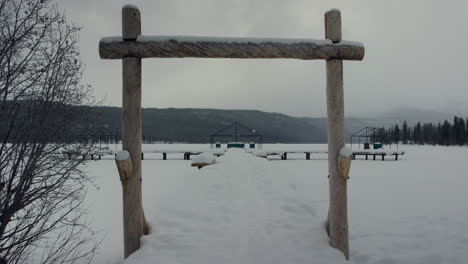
41 190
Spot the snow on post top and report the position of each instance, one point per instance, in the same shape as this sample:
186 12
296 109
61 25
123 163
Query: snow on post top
346 152
122 155
130 6
334 10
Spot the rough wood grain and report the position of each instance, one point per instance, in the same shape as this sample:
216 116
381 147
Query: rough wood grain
125 169
131 23
344 166
131 137
338 217
333 22
110 48
337 224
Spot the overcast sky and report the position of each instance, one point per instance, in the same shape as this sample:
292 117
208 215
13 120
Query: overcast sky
416 54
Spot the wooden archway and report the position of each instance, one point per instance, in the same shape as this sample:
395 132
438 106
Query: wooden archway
132 47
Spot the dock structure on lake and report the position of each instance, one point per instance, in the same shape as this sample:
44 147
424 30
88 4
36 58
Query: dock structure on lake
236 132
382 153
284 153
187 153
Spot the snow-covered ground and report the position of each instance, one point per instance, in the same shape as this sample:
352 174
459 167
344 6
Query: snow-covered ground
246 209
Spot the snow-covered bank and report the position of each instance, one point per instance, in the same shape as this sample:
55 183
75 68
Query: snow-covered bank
245 209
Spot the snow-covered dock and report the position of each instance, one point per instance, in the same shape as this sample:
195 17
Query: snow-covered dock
187 152
283 153
370 152
378 152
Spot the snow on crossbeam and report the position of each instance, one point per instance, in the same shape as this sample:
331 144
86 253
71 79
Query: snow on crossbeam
219 47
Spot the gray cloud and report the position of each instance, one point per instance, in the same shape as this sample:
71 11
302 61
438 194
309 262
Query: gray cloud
415 54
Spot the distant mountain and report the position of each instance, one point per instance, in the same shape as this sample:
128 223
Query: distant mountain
196 125
193 125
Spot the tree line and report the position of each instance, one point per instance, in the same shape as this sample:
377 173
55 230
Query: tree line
447 133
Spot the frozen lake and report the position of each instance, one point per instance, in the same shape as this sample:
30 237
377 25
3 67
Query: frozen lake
246 209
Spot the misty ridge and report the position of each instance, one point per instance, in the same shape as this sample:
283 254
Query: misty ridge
195 125
189 125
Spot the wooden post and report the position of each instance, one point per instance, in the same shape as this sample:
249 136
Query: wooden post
131 134
337 222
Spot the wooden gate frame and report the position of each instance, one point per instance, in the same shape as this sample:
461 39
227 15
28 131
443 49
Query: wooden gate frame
132 47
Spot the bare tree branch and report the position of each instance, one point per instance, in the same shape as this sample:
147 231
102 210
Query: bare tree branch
41 191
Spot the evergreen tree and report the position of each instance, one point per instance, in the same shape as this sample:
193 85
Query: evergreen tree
405 133
426 133
396 134
434 136
445 136
418 139
466 131
461 132
455 131
439 138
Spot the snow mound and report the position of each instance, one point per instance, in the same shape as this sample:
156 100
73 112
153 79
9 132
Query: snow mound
218 151
346 152
122 155
260 153
204 158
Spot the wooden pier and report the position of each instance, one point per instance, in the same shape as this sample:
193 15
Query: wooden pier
187 153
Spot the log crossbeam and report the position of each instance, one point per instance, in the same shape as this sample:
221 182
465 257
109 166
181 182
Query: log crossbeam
216 47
